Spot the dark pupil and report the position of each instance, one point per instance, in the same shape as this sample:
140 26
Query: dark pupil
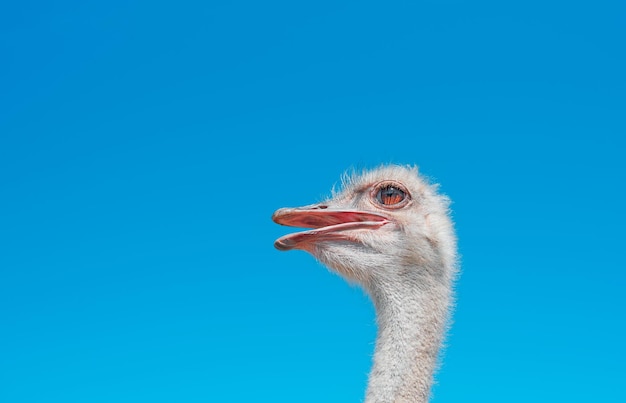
390 195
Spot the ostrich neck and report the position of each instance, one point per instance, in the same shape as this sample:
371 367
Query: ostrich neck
411 318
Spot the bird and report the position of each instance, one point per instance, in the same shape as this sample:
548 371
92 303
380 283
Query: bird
390 231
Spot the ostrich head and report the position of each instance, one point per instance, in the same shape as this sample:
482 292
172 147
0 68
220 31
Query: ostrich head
384 228
389 231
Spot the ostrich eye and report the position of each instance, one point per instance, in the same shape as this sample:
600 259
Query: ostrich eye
390 195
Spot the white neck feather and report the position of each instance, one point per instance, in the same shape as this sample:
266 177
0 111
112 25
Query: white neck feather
412 319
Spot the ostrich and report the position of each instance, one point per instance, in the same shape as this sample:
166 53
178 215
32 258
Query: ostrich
389 231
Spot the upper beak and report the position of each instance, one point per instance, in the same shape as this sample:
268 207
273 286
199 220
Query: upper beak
328 224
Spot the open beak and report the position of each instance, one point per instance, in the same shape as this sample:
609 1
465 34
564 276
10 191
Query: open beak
327 224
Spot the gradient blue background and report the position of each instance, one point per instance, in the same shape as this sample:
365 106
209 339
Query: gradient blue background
144 146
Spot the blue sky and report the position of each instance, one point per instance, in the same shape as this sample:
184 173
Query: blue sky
145 145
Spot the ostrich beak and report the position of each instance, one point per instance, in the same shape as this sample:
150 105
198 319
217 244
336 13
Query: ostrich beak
327 224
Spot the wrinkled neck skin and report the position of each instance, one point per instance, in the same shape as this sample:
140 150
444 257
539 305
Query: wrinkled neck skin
412 319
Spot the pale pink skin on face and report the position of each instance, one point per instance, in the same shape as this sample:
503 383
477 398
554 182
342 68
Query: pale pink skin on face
327 224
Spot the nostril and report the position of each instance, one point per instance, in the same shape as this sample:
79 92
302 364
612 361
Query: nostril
322 207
